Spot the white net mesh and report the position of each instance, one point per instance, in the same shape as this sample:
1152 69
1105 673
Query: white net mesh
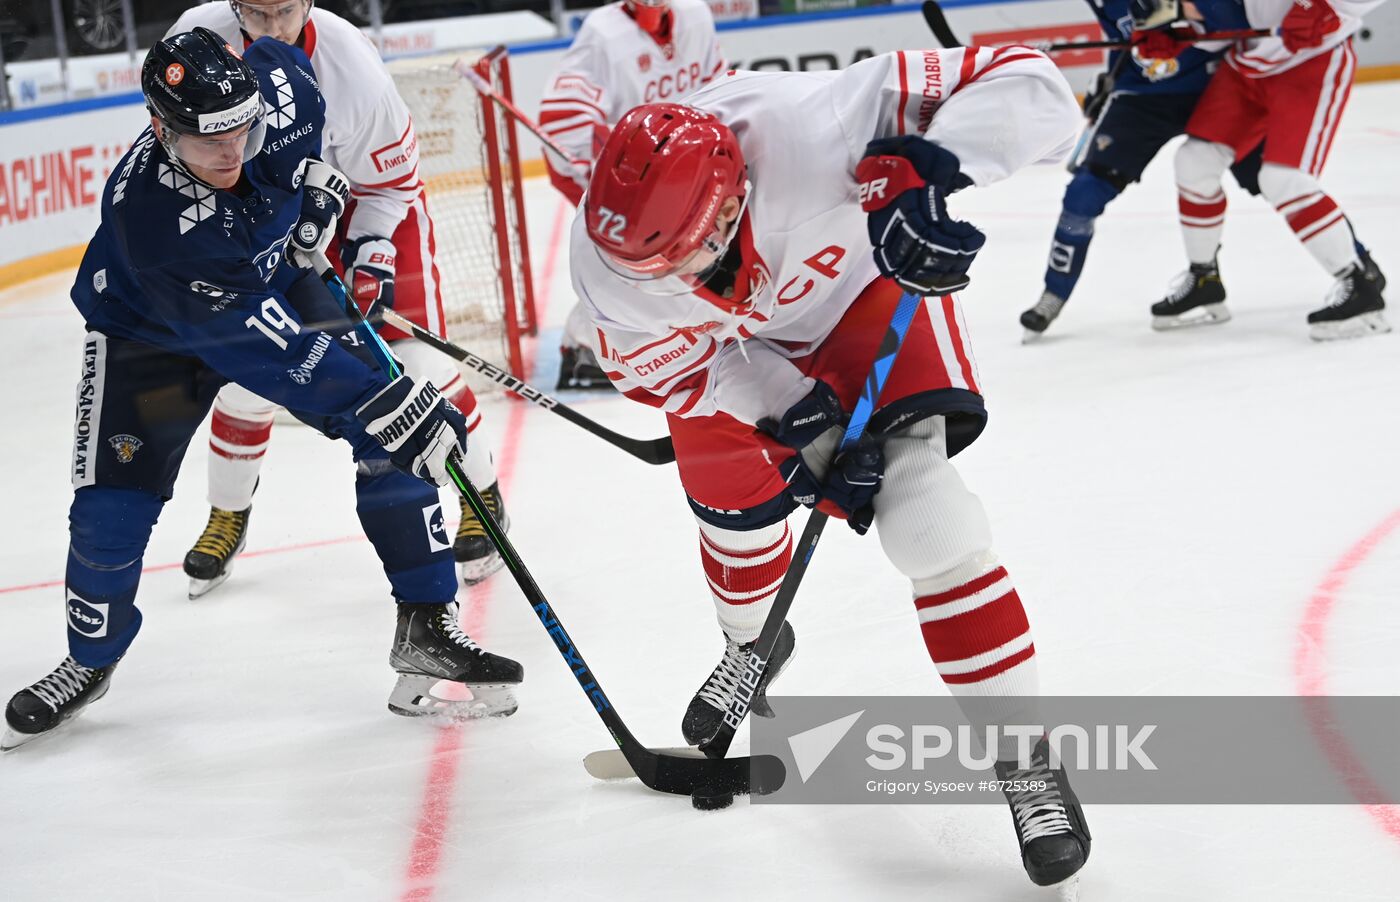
454 161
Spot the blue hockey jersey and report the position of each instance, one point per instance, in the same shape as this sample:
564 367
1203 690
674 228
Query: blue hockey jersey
1195 65
200 271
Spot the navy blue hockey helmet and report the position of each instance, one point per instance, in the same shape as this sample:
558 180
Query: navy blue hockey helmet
198 86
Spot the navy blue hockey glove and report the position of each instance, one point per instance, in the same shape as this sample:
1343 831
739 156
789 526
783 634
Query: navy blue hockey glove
322 201
419 428
849 488
807 419
904 184
369 270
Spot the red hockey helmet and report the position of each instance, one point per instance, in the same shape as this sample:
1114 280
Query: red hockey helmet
658 185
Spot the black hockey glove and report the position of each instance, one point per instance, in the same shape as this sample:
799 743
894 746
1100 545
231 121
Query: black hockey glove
807 419
904 184
849 488
1097 96
419 428
322 201
369 269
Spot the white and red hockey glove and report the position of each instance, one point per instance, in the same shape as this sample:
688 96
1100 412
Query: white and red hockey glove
1307 24
904 184
369 270
323 198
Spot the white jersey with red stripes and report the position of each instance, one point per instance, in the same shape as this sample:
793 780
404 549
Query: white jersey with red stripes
1262 57
613 66
369 133
806 251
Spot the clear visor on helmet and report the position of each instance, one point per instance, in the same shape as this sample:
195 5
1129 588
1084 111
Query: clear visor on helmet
653 4
666 278
282 20
226 141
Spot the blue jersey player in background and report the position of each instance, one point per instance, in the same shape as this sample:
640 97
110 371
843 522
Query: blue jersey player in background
1140 102
200 274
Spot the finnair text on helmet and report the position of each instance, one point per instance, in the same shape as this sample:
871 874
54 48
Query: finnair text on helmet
247 111
1109 748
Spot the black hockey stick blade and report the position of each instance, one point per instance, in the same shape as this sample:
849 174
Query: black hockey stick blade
683 771
938 24
653 451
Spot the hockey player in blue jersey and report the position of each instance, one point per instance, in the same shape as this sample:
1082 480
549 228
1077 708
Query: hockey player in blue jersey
200 273
1140 102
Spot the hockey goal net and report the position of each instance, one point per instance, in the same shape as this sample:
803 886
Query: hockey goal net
470 166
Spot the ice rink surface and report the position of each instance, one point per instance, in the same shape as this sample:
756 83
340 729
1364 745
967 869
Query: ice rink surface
1210 511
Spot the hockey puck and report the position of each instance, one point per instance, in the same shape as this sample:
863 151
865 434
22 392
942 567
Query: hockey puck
708 798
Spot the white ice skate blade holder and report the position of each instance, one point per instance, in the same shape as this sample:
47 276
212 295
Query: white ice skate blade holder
1372 323
1204 315
421 695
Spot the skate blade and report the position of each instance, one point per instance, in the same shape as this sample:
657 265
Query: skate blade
202 587
12 739
473 572
1356 327
1066 890
611 764
1205 315
419 695
1030 337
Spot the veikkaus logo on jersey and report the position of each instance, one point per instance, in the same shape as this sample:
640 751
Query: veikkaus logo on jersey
284 108
202 195
247 111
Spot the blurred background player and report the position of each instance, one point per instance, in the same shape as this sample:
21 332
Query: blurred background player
724 254
195 276
1137 104
626 53
1289 91
386 245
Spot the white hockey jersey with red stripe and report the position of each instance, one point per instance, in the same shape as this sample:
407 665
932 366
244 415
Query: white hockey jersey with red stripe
613 65
806 252
1262 57
369 133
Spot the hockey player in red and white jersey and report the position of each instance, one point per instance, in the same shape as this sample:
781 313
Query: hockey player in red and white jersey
1288 90
386 245
626 53
723 252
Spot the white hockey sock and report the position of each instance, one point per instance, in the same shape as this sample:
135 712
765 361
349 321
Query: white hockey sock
1312 215
1201 196
744 571
237 443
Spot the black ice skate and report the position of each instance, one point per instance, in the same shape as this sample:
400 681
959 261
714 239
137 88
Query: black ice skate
53 701
1197 298
1372 271
1049 823
1038 318
476 556
1354 307
706 712
210 561
579 369
429 648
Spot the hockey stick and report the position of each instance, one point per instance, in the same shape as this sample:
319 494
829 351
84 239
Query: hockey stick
652 451
718 745
677 774
938 24
606 765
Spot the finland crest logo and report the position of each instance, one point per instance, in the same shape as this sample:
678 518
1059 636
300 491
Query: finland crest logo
284 109
126 446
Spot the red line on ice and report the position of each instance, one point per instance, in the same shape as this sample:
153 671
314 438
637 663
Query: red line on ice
1310 671
435 811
